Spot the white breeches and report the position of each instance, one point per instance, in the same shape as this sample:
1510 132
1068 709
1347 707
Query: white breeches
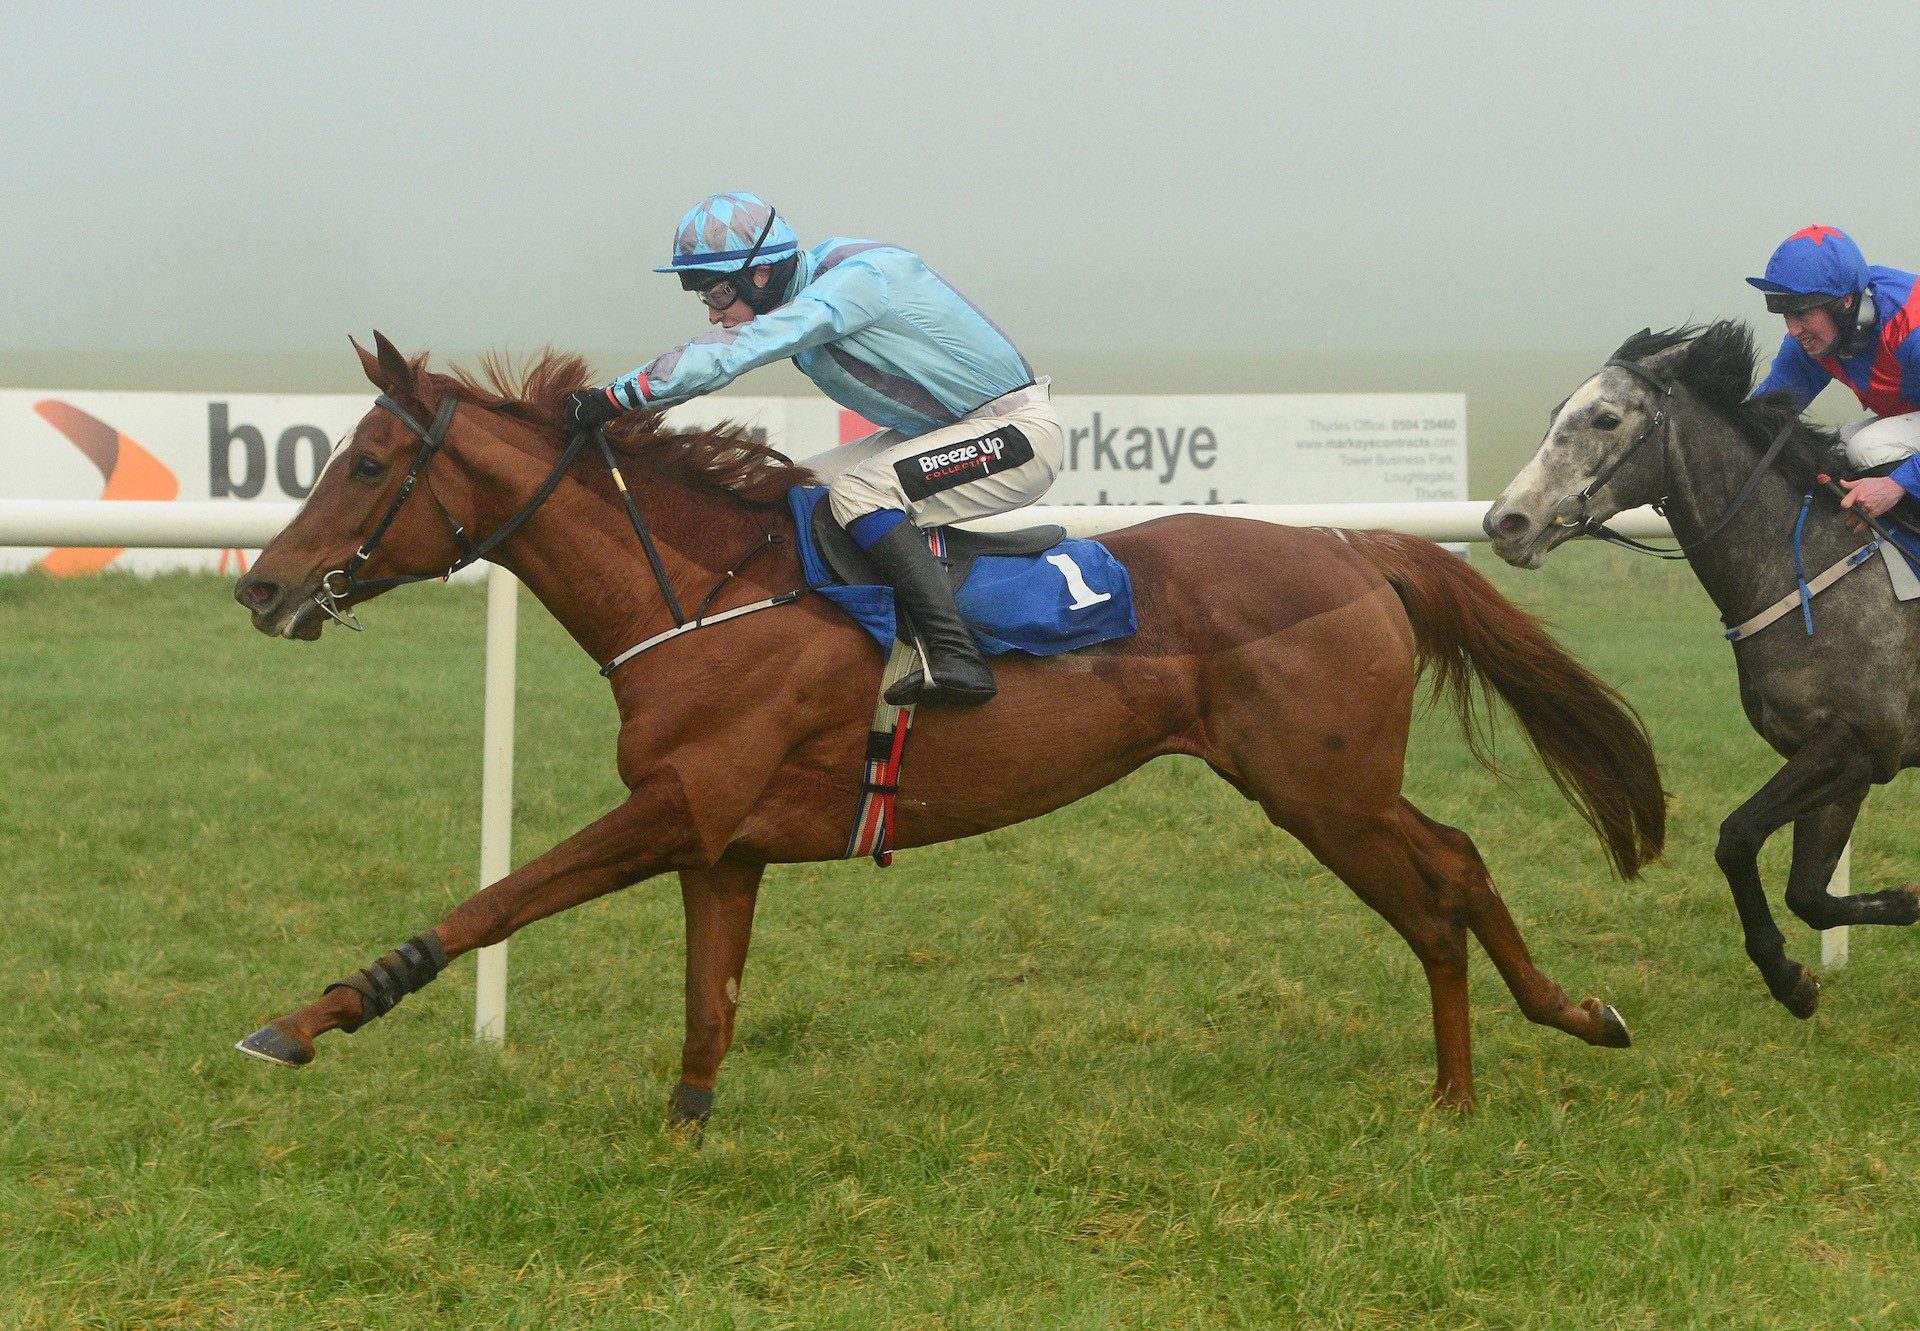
1000 457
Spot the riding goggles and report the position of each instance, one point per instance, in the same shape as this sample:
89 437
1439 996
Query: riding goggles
718 295
1799 302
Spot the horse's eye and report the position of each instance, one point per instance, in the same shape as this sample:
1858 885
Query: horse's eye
368 468
1606 420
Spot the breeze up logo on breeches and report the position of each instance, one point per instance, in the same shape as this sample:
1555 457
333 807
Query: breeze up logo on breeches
945 467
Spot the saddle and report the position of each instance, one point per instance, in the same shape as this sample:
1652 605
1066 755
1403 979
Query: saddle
850 564
1901 523
1038 591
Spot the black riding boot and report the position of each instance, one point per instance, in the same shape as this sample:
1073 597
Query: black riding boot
959 677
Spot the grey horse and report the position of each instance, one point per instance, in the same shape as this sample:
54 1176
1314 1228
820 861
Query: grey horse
1667 421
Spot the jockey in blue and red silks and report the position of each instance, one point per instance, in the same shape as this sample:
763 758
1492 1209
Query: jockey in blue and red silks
970 430
1859 324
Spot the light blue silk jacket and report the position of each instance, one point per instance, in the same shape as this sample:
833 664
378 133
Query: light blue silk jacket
872 325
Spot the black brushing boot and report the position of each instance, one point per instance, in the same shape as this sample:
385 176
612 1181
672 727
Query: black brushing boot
960 678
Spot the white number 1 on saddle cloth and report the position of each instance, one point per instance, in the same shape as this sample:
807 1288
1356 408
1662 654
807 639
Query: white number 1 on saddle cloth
1083 595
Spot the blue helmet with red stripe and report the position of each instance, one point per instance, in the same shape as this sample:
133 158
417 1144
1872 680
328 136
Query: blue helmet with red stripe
728 232
1817 265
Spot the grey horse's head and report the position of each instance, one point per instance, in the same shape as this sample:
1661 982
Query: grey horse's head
1607 445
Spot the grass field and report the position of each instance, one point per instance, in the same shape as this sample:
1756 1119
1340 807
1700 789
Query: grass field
1139 1064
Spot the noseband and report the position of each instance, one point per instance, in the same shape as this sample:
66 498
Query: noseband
1572 510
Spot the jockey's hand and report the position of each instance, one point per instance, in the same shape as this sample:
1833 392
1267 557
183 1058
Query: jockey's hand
590 407
1872 497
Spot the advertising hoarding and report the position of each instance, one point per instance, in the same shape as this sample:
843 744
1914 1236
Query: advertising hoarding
1120 449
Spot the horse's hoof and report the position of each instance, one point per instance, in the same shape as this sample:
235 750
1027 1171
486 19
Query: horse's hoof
1804 997
1911 915
1613 1031
688 1109
273 1045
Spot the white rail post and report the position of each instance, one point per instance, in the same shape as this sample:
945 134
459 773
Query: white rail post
496 791
1833 942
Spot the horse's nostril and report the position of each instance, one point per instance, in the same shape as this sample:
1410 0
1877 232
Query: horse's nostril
257 593
1513 524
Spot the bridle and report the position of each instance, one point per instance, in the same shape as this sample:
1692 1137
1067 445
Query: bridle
432 437
329 596
1571 511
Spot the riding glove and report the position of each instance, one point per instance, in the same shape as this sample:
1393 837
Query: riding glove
592 406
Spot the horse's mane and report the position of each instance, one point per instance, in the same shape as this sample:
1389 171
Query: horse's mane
1717 367
726 459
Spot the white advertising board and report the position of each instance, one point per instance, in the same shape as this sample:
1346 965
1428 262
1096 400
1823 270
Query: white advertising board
1263 449
1199 449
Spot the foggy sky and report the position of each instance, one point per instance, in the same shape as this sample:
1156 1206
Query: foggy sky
1104 179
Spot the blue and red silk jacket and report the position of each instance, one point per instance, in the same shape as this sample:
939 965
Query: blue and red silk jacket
1885 376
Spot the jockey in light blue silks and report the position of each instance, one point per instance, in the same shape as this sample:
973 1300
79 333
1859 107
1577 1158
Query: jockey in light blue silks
970 431
1859 324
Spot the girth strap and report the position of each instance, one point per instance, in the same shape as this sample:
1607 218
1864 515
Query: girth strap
873 821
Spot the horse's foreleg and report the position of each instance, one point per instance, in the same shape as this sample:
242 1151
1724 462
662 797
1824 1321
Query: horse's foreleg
1827 770
1450 861
634 841
1819 838
719 908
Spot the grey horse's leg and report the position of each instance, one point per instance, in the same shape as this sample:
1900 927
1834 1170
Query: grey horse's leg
1818 840
1829 769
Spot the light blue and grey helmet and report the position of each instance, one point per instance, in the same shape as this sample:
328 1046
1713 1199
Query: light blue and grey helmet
718 235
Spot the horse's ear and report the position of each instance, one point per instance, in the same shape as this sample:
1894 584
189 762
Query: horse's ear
1631 348
371 366
397 375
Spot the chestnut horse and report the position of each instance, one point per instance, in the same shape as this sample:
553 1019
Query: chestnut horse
1285 658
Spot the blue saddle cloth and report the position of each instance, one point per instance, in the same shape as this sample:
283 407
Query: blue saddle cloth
1025 603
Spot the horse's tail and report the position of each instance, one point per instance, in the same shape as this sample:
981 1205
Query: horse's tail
1475 641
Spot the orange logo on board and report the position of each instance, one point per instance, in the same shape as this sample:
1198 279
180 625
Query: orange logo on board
128 470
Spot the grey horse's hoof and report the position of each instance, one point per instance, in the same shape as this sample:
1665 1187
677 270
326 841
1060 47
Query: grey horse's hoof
1804 996
272 1045
1910 914
1613 1031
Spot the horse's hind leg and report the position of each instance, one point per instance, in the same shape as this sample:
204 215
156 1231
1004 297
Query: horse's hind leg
1451 864
719 908
1372 856
1832 767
